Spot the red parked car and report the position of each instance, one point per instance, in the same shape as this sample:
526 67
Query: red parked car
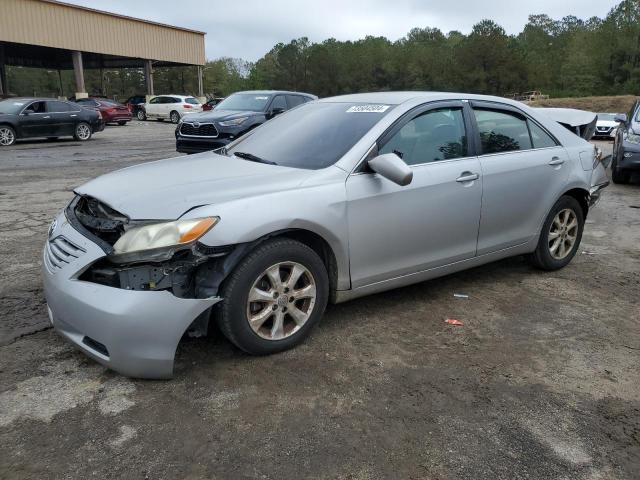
112 111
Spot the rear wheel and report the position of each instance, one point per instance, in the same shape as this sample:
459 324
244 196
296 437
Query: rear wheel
141 115
274 297
174 117
82 132
7 136
560 236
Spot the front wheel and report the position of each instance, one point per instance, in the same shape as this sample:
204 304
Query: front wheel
83 132
174 117
274 297
7 136
141 115
618 176
560 236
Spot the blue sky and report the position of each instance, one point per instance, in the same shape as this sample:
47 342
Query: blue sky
249 28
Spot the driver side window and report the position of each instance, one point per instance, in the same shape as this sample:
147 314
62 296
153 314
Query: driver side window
430 137
279 102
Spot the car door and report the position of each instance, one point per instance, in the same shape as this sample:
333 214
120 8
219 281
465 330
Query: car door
524 170
60 113
278 105
153 108
433 221
35 121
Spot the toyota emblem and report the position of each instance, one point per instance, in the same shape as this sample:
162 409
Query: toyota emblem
196 124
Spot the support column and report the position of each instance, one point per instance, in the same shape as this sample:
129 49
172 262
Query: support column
200 82
4 89
148 77
78 72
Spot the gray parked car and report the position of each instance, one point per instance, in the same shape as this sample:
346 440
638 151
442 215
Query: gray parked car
338 198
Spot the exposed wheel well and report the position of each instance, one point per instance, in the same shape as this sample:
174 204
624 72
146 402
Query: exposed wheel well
582 196
318 245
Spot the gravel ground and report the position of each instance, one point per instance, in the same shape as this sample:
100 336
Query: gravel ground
541 382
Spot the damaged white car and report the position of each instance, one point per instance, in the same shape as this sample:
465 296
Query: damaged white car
332 200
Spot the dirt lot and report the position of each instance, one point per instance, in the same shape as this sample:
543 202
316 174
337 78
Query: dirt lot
541 382
611 104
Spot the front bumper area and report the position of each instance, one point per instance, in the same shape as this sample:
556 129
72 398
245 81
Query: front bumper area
630 158
135 333
198 145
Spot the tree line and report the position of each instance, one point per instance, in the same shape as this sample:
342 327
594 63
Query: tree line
565 57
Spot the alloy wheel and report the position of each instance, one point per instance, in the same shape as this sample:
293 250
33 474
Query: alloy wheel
563 233
175 117
7 137
83 131
281 300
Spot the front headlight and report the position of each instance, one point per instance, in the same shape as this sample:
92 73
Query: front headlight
167 234
234 123
633 138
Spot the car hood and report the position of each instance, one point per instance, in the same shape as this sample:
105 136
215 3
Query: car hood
218 115
166 189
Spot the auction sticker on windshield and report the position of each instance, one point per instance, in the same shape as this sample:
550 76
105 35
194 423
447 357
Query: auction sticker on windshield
368 109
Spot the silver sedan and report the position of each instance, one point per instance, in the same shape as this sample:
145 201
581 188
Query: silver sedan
335 199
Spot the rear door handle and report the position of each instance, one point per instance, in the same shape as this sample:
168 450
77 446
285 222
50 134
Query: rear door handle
556 161
467 177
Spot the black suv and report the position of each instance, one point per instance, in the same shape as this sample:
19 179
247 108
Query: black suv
233 117
626 146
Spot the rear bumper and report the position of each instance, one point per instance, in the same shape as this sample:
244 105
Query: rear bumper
135 333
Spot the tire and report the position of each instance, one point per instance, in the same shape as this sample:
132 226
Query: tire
82 132
122 124
544 257
174 117
7 136
618 176
265 337
141 115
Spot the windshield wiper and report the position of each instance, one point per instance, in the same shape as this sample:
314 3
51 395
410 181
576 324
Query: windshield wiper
253 158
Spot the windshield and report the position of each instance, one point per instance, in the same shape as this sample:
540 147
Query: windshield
12 107
312 136
606 116
249 102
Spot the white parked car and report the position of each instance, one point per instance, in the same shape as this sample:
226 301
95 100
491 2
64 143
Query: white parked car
169 107
606 126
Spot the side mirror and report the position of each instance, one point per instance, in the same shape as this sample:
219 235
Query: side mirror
392 167
26 113
621 118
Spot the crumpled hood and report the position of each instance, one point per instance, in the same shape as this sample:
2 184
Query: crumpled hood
166 189
218 115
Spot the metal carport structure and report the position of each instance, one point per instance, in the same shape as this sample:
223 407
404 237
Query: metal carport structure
56 35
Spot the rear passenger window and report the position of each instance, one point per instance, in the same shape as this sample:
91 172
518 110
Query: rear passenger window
430 137
58 107
502 131
540 138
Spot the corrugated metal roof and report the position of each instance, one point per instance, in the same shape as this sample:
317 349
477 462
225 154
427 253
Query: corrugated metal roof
55 24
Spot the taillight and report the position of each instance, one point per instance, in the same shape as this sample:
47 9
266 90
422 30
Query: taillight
186 105
111 110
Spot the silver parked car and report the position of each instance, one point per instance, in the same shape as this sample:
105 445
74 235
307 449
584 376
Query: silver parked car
335 199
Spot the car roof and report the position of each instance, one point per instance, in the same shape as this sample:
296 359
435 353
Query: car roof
276 92
397 98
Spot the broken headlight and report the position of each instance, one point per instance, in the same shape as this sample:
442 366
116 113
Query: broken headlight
160 235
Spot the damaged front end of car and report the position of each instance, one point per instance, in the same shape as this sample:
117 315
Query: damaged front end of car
152 255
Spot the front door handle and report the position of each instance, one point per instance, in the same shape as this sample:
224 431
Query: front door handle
47 116
467 177
556 161
74 115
